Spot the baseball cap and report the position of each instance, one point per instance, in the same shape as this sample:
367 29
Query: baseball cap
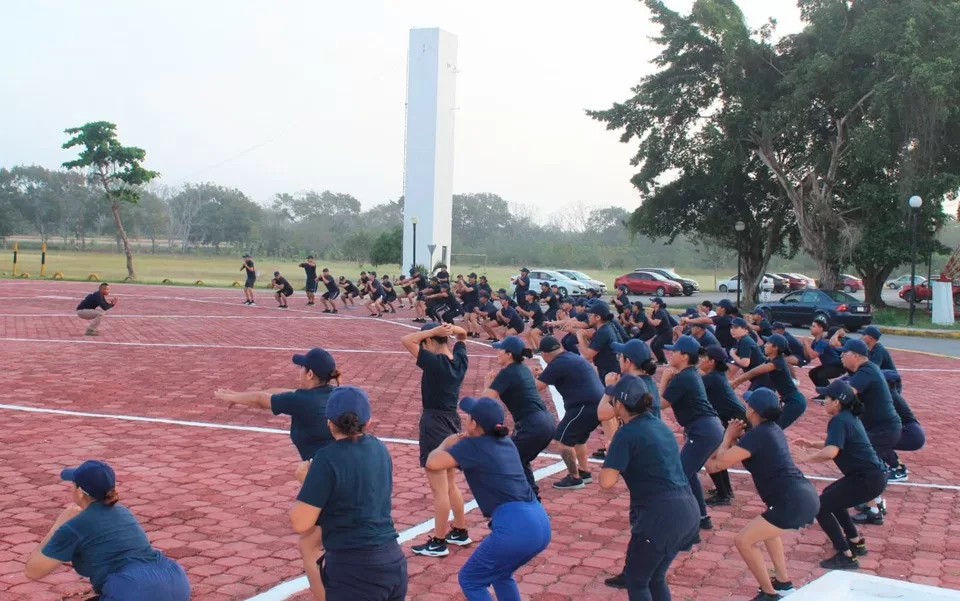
548 344
628 391
511 344
758 312
485 411
872 331
636 350
691 312
726 303
95 478
524 270
840 391
716 353
429 326
531 293
856 346
544 284
778 341
348 399
778 325
309 257
891 376
472 275
658 300
413 270
276 273
738 322
601 309
822 320
761 399
502 292
317 360
687 345
245 257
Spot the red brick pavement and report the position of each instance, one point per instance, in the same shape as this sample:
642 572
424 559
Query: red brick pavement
192 487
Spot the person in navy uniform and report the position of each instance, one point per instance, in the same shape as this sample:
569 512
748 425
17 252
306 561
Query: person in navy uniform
348 292
521 284
575 380
660 320
284 289
681 389
94 306
534 312
776 367
722 322
103 541
470 295
310 270
704 336
598 346
713 373
346 493
664 517
878 353
549 298
820 346
443 369
746 354
520 527
864 475
912 436
514 385
759 324
791 500
250 271
332 292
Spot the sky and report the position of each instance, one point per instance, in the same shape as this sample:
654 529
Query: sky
285 96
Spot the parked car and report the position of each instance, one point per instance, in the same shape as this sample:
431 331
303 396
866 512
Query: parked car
582 277
848 283
566 286
799 309
924 292
798 281
689 286
733 284
900 282
647 282
780 284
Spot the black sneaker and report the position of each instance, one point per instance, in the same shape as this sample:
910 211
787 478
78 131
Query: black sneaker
326 310
898 473
618 581
334 311
859 549
600 454
568 482
762 596
882 506
459 537
718 501
871 517
783 588
706 523
434 547
587 477
840 562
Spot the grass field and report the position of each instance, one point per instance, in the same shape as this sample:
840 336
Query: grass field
895 316
214 271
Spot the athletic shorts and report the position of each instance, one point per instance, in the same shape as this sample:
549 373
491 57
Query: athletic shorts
544 329
577 425
435 427
250 282
390 298
285 291
330 295
311 286
407 290
374 296
353 292
469 307
797 508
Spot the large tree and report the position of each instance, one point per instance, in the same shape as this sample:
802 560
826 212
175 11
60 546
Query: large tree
115 169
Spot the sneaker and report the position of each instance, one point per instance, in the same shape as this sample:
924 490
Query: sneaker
870 516
334 312
587 477
253 303
782 588
882 506
618 581
434 547
718 501
246 302
840 562
898 473
600 454
706 523
92 333
859 549
568 482
459 537
326 310
762 596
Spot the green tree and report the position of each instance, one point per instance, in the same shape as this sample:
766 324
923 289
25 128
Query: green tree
116 169
387 248
356 247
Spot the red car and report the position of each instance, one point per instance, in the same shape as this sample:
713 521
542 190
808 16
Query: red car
798 281
924 292
849 283
645 282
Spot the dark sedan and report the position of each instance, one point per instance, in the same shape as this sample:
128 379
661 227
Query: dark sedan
801 307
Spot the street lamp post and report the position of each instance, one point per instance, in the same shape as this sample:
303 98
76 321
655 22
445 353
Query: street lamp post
915 202
414 221
739 226
933 232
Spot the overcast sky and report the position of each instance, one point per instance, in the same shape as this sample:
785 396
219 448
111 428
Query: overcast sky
284 96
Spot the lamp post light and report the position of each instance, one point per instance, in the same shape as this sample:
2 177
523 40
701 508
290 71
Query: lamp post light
739 226
915 202
933 232
414 221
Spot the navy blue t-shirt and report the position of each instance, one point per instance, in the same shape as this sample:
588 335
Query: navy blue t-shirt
489 308
329 281
471 294
722 396
748 349
765 331
707 339
351 481
655 407
721 324
535 308
307 408
513 319
829 355
665 327
575 380
493 471
795 346
845 432
517 389
602 342
878 412
774 473
94 300
99 541
880 356
687 396
782 378
441 378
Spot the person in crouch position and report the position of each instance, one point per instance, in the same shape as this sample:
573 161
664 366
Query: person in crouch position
94 306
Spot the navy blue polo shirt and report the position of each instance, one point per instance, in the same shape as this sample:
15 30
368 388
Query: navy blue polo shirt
829 355
782 378
471 294
770 464
722 396
795 346
665 328
602 342
880 356
99 541
550 299
94 300
441 378
687 396
493 471
721 324
765 331
307 408
707 339
535 308
878 412
351 481
747 348
489 308
517 389
513 319
575 380
845 432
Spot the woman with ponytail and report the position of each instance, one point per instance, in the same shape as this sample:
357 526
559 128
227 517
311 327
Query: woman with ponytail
520 528
713 372
346 493
864 475
777 370
104 542
516 387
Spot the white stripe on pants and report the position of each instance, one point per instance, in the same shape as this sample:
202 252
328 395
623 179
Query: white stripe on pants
93 316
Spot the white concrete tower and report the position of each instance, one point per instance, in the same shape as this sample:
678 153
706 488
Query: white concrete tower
428 151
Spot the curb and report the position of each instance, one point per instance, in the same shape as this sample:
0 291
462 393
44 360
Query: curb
897 331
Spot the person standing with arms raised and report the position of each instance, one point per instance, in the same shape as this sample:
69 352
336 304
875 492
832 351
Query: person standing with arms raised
443 369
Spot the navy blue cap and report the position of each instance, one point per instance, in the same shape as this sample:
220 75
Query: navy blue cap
628 391
687 345
531 292
524 270
691 312
778 325
658 300
636 350
317 360
348 399
601 309
822 320
726 303
548 344
872 331
511 344
891 376
568 299
761 399
716 353
840 391
413 270
778 341
276 273
484 294
758 312
738 322
485 411
856 346
95 478
502 291
429 326
542 284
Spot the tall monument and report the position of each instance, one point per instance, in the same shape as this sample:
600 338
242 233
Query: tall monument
428 151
